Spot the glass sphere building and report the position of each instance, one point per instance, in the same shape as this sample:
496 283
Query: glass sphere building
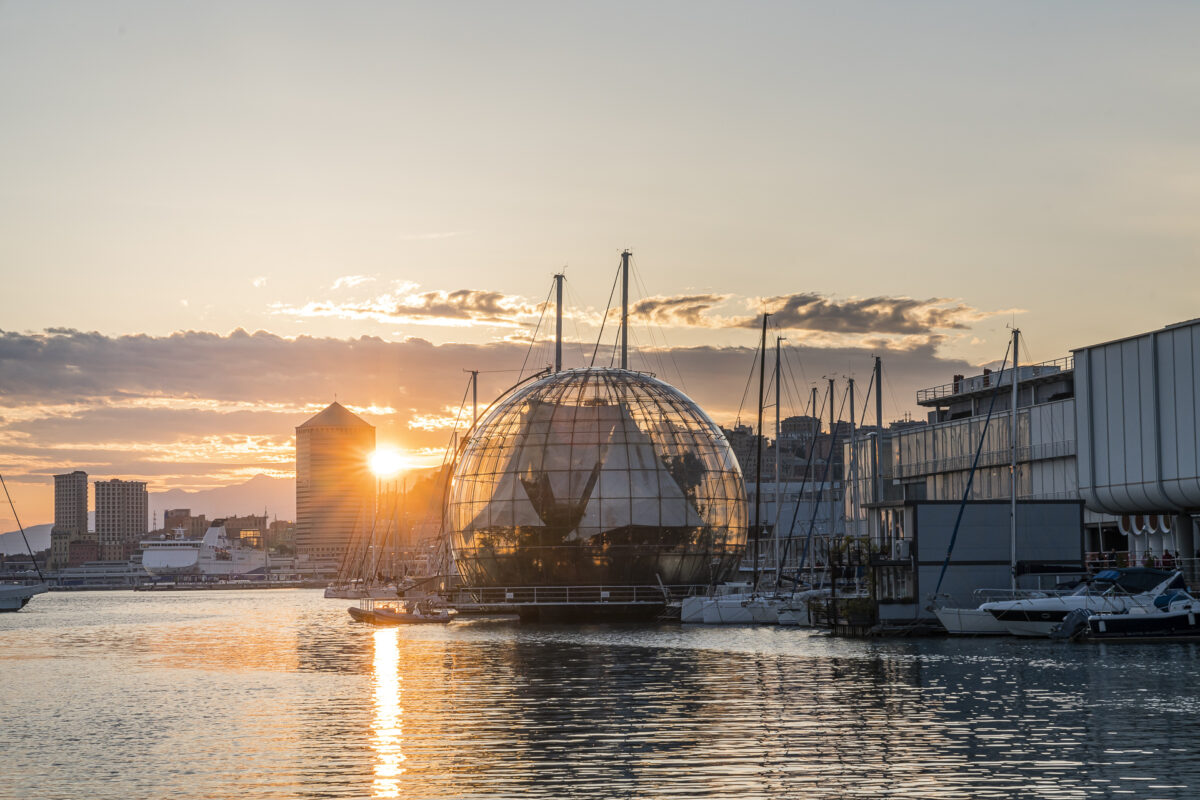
596 477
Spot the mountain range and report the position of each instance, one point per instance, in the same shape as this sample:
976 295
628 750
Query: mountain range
276 495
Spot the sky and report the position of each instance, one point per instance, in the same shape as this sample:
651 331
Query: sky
216 218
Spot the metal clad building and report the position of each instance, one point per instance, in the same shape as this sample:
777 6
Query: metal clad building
1138 422
1048 532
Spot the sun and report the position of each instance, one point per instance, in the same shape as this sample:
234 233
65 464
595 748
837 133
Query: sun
387 461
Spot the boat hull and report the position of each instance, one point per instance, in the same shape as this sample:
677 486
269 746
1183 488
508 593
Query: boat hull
14 598
383 617
741 610
1184 624
970 622
1035 623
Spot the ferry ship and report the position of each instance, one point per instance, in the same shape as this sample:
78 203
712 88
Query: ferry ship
215 554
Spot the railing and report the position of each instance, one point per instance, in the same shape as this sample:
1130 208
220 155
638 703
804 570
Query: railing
980 596
571 595
977 383
1190 567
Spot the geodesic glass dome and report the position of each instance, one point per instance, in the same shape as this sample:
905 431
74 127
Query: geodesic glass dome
597 477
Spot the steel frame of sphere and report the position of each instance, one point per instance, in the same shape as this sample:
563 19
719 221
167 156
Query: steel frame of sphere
596 493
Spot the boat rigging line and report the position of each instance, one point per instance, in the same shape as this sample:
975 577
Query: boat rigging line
820 486
812 447
24 538
974 465
533 340
604 319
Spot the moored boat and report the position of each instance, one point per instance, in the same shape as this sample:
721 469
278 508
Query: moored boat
216 553
1110 591
970 622
1173 615
15 596
398 612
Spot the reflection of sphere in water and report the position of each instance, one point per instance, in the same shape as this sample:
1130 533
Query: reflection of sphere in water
597 477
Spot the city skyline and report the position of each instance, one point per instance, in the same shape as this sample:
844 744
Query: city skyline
216 221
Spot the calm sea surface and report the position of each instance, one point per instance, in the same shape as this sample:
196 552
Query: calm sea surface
277 694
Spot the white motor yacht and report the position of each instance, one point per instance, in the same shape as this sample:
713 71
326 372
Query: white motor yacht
1110 591
970 622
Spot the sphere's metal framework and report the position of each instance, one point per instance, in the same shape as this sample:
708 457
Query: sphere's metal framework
592 477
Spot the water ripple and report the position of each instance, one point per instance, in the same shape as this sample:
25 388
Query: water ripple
279 695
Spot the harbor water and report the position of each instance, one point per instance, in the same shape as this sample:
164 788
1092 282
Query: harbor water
278 694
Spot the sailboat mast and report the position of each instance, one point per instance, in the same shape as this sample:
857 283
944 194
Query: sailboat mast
877 453
625 309
808 470
832 499
762 368
778 495
853 466
558 310
1012 437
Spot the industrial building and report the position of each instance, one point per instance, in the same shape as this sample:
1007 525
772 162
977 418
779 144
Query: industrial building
1107 471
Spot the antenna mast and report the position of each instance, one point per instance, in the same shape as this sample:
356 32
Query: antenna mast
625 309
558 310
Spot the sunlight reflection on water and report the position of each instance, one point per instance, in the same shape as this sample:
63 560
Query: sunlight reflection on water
279 694
388 729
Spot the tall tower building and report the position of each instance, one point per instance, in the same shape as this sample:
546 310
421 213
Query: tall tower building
334 487
70 515
122 512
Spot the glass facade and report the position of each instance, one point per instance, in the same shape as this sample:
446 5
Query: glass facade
597 477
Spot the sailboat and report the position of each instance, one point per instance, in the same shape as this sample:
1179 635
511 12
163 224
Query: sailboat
14 597
748 606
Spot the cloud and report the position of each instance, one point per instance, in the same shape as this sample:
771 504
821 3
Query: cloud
686 310
259 282
877 315
892 322
350 281
449 417
461 307
202 409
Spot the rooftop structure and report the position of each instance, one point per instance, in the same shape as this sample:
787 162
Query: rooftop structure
965 397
